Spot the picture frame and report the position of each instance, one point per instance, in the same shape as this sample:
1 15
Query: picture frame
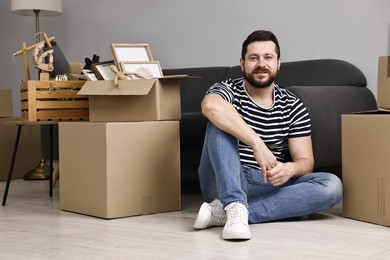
138 69
102 70
123 52
89 75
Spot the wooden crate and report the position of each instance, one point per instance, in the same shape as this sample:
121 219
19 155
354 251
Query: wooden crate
53 100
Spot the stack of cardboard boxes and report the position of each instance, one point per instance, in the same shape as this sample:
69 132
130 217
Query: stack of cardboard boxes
126 160
366 157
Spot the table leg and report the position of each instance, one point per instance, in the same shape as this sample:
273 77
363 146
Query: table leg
11 167
51 162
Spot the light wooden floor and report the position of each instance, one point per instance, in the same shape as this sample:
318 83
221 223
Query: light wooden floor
33 227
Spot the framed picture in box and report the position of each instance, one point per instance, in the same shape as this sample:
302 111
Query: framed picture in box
102 70
89 75
145 70
130 52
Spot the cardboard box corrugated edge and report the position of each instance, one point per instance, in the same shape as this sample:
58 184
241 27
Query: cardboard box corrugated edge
364 170
383 98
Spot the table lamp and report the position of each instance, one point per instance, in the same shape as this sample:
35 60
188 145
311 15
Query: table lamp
37 8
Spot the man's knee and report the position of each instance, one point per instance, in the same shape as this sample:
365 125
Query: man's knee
334 189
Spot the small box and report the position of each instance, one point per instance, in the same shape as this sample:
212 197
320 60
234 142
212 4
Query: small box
383 99
119 169
6 103
53 100
133 100
366 166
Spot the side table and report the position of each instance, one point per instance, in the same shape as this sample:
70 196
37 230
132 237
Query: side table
20 125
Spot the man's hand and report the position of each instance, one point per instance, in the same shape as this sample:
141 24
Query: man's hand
279 174
265 158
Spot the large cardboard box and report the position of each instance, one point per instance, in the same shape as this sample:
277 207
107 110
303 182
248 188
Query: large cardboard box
6 103
383 99
366 166
28 155
119 169
133 100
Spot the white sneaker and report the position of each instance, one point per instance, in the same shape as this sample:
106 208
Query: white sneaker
236 226
210 214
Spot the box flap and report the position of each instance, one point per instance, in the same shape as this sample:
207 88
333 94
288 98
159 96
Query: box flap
125 87
184 76
379 111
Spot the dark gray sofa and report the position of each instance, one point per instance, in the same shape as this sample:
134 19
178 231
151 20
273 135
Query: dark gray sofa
328 87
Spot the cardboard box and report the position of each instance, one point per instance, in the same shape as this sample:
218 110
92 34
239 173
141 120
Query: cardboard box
53 100
28 155
119 169
133 100
6 103
366 166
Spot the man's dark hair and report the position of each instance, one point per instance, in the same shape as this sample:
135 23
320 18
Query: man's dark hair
260 36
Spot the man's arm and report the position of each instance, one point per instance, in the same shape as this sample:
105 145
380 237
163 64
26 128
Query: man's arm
301 151
302 161
224 116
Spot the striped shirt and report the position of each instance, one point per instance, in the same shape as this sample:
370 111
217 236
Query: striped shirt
286 118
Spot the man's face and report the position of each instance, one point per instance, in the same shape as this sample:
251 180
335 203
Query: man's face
261 64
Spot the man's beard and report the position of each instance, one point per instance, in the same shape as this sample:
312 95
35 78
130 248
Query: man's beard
259 84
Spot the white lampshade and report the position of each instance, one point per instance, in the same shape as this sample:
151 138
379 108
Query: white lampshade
45 7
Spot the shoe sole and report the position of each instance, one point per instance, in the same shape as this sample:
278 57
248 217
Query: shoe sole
201 221
237 236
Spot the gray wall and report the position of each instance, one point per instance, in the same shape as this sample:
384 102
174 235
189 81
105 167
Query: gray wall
204 32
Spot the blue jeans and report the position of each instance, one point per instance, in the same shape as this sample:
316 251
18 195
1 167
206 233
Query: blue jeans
222 176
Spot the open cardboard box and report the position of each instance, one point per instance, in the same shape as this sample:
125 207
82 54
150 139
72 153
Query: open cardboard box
154 99
365 157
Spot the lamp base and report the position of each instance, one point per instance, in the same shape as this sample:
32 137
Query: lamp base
41 172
